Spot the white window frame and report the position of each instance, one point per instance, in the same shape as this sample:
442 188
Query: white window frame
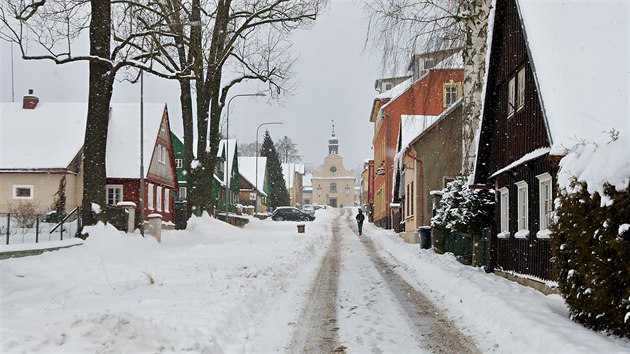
118 187
179 163
158 198
150 197
522 209
520 89
505 213
511 101
167 200
545 204
23 186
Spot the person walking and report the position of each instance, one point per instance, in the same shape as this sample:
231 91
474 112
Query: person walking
360 217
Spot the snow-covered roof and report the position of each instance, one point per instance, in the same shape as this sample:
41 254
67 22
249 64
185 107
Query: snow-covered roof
52 134
231 145
49 136
396 90
453 61
307 180
247 169
288 170
123 138
579 53
527 157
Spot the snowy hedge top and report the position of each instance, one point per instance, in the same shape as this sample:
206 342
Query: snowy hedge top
579 52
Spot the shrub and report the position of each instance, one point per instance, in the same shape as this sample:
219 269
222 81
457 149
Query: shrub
463 209
25 213
591 247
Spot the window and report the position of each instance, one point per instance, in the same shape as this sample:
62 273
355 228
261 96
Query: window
505 212
522 205
333 187
545 200
179 163
428 63
22 191
520 84
114 194
182 193
159 154
158 197
387 86
150 196
409 199
451 93
511 96
167 200
164 154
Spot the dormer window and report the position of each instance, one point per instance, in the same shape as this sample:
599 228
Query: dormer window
428 63
387 86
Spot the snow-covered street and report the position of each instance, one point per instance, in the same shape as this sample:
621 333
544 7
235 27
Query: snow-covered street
216 288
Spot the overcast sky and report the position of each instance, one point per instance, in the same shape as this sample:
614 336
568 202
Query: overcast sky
335 79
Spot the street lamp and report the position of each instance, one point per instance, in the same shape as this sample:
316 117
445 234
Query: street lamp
256 191
227 174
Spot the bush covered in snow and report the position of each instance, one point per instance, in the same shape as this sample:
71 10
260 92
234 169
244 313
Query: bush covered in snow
463 209
591 246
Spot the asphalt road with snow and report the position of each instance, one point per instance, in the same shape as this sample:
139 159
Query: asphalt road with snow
360 303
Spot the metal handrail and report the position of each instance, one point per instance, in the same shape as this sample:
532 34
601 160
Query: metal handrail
65 218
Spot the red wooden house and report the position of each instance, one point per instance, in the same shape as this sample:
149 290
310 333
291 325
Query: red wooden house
437 86
553 80
123 158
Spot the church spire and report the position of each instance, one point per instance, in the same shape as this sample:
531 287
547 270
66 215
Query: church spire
333 143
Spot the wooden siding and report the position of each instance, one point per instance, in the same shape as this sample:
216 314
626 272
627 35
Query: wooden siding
506 139
532 255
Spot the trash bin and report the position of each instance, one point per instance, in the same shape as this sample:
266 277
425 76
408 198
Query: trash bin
301 228
425 237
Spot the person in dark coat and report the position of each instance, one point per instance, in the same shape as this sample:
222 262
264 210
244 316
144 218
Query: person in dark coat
360 217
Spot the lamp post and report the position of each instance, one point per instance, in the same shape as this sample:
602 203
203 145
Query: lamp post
227 174
256 190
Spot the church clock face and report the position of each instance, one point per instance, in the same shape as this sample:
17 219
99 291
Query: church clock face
333 169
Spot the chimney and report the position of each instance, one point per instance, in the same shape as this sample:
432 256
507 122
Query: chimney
30 101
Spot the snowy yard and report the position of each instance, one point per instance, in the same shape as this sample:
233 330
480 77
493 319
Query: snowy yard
216 288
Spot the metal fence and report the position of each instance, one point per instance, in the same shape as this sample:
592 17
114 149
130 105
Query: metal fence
468 249
35 228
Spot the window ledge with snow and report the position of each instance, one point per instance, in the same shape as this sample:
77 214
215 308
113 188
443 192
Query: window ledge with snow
522 234
504 234
546 233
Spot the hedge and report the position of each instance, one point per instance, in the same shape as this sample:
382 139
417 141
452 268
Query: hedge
591 249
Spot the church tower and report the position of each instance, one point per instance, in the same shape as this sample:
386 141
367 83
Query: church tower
333 142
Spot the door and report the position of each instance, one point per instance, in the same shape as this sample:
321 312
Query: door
332 202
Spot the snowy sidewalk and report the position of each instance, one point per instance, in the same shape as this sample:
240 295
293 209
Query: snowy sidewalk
502 315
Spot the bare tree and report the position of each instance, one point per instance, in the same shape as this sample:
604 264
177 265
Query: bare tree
48 30
247 149
400 28
217 45
287 150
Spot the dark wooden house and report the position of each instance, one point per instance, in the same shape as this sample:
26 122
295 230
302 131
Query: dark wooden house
544 91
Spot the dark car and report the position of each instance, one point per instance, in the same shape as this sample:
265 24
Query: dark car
290 214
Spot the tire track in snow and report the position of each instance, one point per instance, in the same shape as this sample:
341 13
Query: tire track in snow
436 332
317 330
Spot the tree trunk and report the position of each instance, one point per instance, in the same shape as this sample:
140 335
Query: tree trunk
185 100
100 93
475 49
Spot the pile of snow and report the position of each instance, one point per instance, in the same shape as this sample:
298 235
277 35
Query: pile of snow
205 289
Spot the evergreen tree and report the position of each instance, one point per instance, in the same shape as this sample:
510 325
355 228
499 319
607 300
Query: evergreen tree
278 194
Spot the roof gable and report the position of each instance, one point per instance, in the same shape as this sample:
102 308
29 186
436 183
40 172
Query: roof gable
579 55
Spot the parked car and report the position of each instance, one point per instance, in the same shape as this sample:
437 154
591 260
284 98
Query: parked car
290 214
309 209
